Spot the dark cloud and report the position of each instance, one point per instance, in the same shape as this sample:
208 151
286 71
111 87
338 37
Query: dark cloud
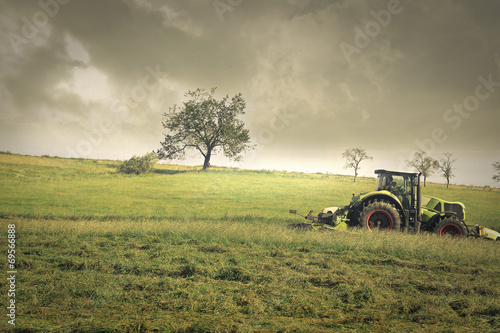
83 81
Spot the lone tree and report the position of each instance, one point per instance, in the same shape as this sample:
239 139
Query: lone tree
206 125
353 157
446 167
424 164
496 167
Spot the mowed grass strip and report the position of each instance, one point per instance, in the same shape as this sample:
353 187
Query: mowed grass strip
249 276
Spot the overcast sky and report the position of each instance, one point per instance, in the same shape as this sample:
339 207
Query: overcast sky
93 78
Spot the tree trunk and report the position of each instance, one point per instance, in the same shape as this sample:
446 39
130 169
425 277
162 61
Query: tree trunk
355 175
206 163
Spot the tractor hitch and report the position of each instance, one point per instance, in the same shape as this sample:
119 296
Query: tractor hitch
309 216
328 219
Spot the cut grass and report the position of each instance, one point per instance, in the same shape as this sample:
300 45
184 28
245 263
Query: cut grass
235 276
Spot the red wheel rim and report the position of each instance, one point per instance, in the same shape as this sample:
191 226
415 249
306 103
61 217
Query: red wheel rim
379 219
450 229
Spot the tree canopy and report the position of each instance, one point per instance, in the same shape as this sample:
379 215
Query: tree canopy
207 126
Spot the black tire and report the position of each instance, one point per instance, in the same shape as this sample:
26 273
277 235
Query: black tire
380 215
451 227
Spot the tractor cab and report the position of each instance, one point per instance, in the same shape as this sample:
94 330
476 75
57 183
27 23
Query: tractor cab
399 183
405 188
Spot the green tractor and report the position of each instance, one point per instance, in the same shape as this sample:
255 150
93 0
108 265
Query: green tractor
397 204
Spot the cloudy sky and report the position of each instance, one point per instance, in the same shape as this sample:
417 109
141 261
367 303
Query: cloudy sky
93 78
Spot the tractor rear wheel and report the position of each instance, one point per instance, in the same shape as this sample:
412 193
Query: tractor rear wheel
451 227
379 215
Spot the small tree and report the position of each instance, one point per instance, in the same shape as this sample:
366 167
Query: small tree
496 167
353 157
139 165
206 125
424 164
446 167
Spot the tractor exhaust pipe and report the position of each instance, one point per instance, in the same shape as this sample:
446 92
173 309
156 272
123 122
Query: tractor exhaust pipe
419 205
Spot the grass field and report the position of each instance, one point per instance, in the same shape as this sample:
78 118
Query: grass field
180 250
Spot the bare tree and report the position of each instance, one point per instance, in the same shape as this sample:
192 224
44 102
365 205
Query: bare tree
496 166
446 167
426 165
353 157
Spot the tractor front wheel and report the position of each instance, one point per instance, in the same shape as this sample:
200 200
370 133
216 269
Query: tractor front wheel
451 227
379 215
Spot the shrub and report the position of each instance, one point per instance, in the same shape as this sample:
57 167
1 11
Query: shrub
139 165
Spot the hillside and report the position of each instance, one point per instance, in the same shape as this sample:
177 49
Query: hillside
181 250
46 187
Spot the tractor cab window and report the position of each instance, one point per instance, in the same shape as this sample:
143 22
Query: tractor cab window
398 185
390 183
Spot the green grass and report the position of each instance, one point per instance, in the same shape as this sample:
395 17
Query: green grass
181 250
